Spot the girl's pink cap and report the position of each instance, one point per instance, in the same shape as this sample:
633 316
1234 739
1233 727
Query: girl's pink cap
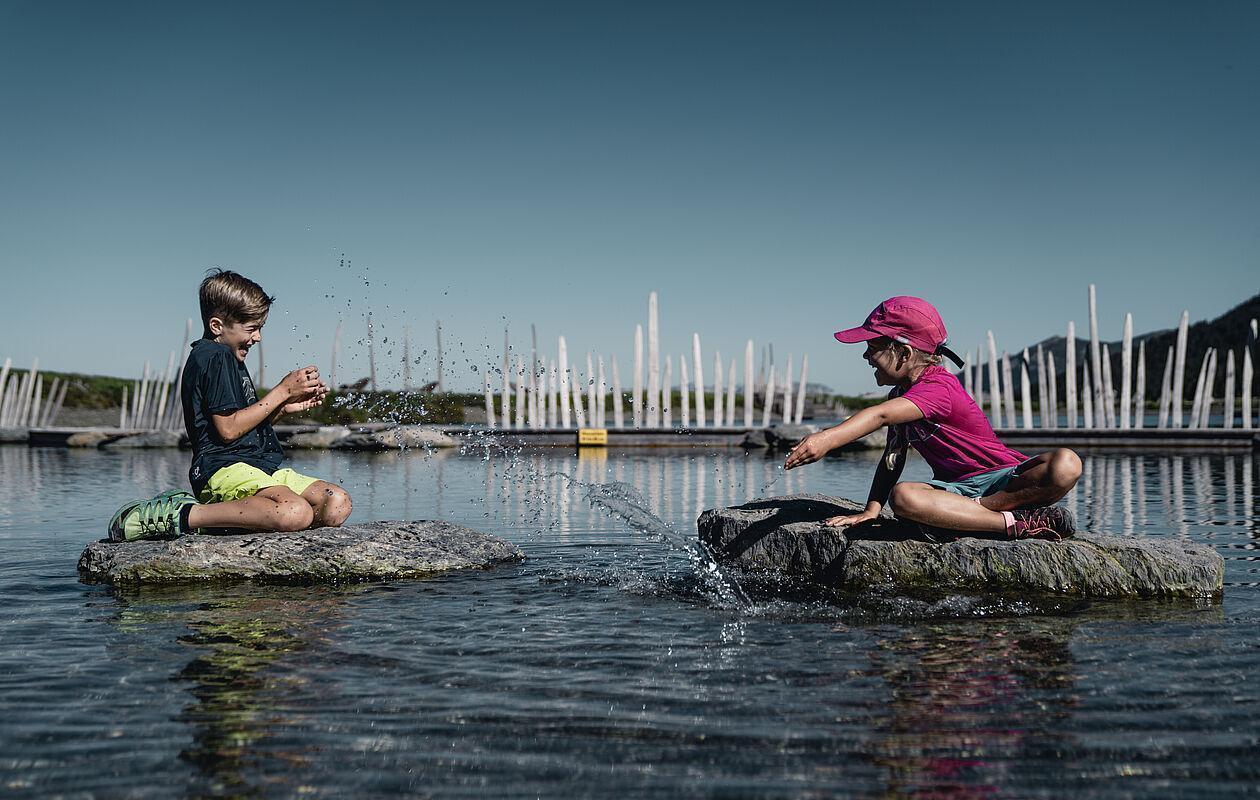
909 320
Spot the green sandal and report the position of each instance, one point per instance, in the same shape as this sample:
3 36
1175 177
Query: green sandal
156 518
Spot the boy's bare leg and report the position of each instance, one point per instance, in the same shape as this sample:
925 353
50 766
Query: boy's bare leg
1044 481
330 504
275 508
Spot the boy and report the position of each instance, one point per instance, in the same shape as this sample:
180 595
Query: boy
979 484
236 456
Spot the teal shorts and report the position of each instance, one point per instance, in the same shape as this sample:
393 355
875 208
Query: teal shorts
981 485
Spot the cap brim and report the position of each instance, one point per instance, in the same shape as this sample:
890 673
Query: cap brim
855 335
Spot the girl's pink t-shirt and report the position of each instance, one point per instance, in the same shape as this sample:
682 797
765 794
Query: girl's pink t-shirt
954 437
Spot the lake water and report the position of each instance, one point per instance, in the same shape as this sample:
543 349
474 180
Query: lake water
614 661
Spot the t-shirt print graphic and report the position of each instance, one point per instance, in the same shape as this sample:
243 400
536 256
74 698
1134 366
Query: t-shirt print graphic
908 433
247 386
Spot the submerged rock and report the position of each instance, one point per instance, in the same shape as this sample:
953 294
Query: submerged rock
404 436
367 551
90 438
14 435
783 537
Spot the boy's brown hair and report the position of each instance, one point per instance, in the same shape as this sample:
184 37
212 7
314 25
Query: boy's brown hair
232 298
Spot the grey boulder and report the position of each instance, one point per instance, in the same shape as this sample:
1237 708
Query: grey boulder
402 437
784 538
323 438
14 435
365 551
148 439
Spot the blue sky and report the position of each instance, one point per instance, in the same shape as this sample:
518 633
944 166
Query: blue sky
772 170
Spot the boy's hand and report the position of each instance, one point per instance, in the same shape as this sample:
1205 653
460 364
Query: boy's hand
308 401
300 382
808 450
848 520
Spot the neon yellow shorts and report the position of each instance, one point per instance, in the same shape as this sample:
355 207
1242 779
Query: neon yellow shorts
237 481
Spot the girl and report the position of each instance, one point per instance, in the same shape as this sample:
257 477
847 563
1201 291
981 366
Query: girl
979 484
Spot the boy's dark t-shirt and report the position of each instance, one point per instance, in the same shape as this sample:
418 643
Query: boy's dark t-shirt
215 381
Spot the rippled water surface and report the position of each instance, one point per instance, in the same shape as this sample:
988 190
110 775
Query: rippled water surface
615 661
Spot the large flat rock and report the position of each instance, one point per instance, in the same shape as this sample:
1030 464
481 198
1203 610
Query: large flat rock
367 551
783 537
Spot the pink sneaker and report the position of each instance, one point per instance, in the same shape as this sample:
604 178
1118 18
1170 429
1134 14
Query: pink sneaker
1054 523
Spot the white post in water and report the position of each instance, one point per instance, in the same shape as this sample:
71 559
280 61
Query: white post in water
332 372
684 398
505 396
1053 390
1096 365
1229 388
1247 378
1041 386
800 395
1198 391
563 375
592 412
177 419
122 411
441 366
489 400
33 410
406 358
654 366
995 392
750 384
602 413
1008 389
1025 390
1069 375
966 376
667 394
769 401
520 392
718 386
1126 369
579 414
636 399
1108 391
787 391
1139 388
553 401
730 394
1165 390
4 385
699 365
1087 397
1179 369
1206 411
372 355
619 417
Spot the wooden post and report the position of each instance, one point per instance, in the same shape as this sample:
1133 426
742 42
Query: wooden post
1069 375
1025 389
406 359
1087 397
591 412
1229 388
995 391
1165 391
1179 370
718 393
1205 413
441 355
1108 391
505 392
800 394
122 411
636 399
32 407
372 355
332 371
750 384
787 391
654 366
1247 377
730 394
698 364
966 377
563 375
1052 379
142 399
1198 391
4 388
769 401
619 418
41 416
1008 389
61 397
1102 418
667 394
602 393
684 398
519 420
159 421
553 401
1126 368
1139 389
489 400
1042 384
177 419
579 415
262 367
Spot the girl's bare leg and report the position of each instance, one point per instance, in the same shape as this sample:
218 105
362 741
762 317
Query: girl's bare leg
1044 481
330 504
275 508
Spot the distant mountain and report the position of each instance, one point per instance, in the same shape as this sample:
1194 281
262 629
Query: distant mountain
1227 332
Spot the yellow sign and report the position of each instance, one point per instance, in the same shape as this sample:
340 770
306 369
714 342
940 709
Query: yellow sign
592 437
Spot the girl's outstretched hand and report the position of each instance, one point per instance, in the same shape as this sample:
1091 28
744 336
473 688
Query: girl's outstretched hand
847 520
808 450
